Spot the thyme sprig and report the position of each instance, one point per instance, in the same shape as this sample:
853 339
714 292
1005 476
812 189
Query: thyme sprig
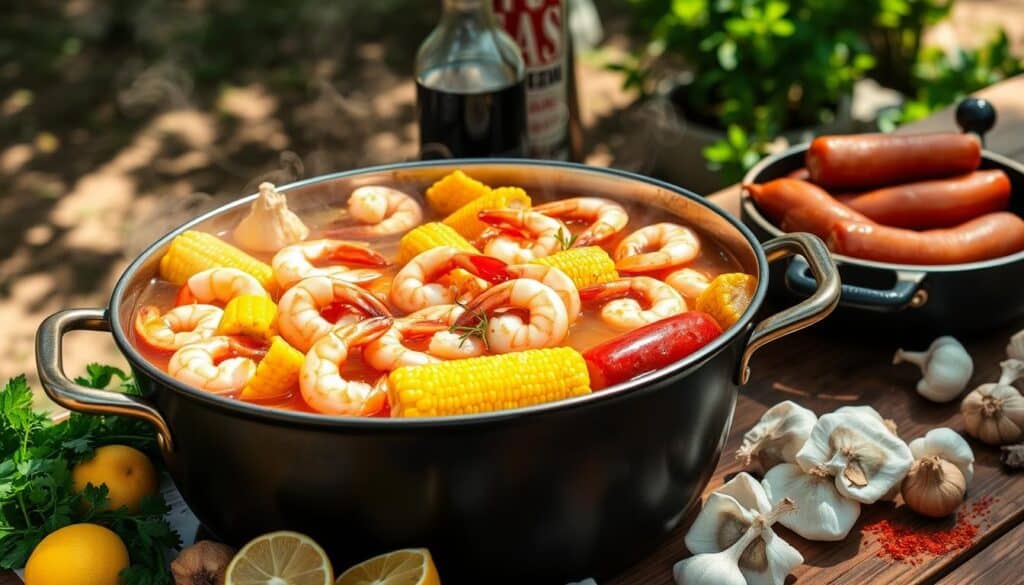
479 330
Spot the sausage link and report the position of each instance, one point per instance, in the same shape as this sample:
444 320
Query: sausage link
936 203
989 236
799 206
860 161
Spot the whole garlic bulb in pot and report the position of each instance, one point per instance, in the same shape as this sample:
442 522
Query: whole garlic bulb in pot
946 365
994 412
778 435
934 487
866 459
270 225
821 513
949 445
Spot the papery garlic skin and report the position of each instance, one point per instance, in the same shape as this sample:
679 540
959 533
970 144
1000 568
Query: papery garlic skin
866 459
946 443
778 435
727 514
821 513
934 487
720 568
946 365
994 413
270 225
1015 348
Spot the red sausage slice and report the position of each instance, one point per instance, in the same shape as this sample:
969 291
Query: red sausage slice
989 236
936 203
860 161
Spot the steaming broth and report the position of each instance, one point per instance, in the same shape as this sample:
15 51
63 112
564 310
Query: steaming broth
588 330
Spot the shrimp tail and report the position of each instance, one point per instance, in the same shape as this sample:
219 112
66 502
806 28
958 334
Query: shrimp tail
362 299
488 268
184 296
423 328
363 332
486 301
605 291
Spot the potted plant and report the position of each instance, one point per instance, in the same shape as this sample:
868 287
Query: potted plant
756 70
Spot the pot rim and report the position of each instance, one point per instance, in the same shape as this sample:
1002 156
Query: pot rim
750 209
252 410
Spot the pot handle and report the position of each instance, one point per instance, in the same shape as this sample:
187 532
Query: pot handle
79 398
809 311
977 116
905 292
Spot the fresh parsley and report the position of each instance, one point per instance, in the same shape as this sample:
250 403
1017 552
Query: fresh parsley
36 491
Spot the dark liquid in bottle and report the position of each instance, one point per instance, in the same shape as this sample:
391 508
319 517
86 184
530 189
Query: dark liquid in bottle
457 123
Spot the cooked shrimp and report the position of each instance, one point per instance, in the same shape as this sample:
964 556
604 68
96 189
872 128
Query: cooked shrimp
657 246
496 271
299 312
320 380
418 284
389 351
605 216
325 258
178 327
218 285
383 210
688 282
546 325
212 365
624 314
540 235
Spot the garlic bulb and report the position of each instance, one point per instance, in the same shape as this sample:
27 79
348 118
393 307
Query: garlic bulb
1015 349
994 413
725 567
934 487
203 563
866 459
270 225
948 444
726 516
822 513
778 435
946 365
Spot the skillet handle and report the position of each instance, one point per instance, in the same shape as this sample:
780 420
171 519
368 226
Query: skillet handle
977 116
79 398
906 292
815 308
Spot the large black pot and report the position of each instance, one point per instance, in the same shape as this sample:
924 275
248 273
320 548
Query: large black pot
920 299
534 495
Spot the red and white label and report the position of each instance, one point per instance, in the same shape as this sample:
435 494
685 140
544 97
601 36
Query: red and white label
539 27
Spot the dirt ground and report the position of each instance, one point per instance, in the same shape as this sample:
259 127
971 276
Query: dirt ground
117 126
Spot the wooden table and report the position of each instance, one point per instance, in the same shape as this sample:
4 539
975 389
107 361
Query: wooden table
823 369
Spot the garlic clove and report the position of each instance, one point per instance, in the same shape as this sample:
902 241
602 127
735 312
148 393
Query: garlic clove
721 521
778 435
719 568
865 458
780 560
994 413
747 492
270 225
946 365
949 445
1015 348
1012 370
934 487
822 513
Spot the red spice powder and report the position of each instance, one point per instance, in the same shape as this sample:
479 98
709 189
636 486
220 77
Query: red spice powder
911 546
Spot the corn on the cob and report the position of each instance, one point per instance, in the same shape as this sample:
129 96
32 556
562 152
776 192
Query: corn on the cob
585 266
464 220
488 383
251 315
453 191
277 372
193 252
727 297
428 236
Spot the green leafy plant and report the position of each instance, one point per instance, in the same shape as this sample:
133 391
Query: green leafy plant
943 78
37 495
763 66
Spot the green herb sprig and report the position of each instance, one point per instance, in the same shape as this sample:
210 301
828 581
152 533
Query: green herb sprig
37 495
479 329
566 239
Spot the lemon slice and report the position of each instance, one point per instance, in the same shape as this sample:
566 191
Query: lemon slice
280 558
411 566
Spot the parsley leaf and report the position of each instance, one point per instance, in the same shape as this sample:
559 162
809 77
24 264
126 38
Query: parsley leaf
37 494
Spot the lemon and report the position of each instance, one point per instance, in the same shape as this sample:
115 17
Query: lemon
127 473
280 558
411 566
79 554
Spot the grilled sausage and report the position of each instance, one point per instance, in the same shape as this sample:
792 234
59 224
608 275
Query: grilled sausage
799 206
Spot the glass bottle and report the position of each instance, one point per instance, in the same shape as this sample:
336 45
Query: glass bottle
470 86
